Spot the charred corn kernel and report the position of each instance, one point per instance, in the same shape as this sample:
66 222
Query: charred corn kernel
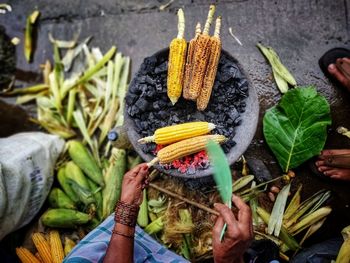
43 247
212 67
186 147
189 62
201 58
69 244
175 133
26 256
177 60
57 253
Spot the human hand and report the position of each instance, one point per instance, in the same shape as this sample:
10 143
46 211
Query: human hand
134 182
239 233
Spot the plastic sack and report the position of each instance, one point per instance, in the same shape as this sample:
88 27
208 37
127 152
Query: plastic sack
27 162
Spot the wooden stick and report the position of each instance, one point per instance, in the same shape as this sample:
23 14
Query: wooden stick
200 206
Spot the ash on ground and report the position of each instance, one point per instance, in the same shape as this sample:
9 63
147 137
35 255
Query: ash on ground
150 108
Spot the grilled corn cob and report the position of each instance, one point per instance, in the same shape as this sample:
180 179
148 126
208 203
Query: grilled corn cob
42 246
26 256
189 62
201 58
175 133
57 253
186 147
212 67
177 60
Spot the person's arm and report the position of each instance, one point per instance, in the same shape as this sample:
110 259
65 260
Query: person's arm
239 233
121 246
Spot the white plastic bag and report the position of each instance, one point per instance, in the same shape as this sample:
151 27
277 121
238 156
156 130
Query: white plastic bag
27 162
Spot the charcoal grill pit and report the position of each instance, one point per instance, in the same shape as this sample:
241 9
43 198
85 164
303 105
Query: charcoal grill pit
233 106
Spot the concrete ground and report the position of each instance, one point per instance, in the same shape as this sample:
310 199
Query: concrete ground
300 31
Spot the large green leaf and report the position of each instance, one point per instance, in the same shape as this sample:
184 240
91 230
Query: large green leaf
296 129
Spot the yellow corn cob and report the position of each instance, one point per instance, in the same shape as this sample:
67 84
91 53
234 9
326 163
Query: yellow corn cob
215 51
42 246
69 244
177 60
57 253
37 255
175 133
189 63
26 256
201 58
186 147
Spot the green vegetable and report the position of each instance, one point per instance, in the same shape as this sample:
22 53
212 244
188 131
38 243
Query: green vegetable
142 217
276 217
58 199
222 174
113 179
296 129
64 218
280 72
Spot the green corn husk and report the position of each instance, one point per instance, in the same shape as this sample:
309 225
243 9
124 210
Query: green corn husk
64 218
113 181
133 162
63 181
28 35
70 106
155 226
91 71
310 220
276 217
80 186
58 199
293 204
83 158
284 235
27 90
344 252
97 192
157 206
242 182
253 206
306 205
142 217
280 72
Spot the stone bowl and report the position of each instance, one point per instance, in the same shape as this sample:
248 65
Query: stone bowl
244 133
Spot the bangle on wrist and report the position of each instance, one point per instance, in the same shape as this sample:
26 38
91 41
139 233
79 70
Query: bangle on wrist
122 234
126 214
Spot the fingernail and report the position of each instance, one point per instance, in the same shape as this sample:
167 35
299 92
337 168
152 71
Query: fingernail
331 67
215 205
145 168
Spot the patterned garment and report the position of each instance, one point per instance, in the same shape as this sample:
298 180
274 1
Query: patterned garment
94 246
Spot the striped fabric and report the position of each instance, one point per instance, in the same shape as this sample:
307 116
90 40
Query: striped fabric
94 246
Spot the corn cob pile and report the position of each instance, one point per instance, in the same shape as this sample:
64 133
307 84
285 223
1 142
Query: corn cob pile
195 74
50 248
82 109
